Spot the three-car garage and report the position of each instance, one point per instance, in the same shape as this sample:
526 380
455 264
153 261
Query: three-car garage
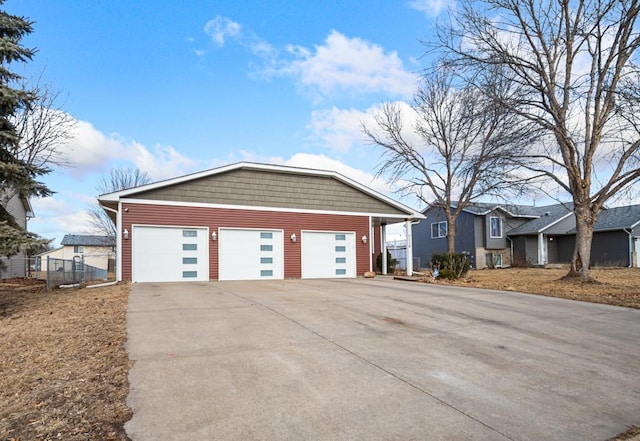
250 222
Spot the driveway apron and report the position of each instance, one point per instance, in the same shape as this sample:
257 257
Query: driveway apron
363 359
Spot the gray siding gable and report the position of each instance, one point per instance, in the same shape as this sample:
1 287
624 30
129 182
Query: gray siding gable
266 188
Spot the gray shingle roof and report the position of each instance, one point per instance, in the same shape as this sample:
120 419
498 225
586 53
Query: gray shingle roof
616 218
548 215
481 208
86 240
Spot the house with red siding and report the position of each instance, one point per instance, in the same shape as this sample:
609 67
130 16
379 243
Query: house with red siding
248 221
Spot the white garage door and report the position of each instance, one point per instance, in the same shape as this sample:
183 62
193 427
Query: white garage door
326 255
169 254
250 254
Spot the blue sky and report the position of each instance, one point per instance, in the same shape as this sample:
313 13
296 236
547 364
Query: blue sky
173 87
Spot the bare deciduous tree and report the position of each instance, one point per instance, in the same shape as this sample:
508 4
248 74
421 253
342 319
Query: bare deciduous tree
461 148
575 63
45 130
117 180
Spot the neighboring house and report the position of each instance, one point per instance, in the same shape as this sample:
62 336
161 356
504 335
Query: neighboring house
20 208
501 235
250 222
96 251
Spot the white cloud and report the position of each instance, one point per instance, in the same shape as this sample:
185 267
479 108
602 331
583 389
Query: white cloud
220 28
160 162
338 129
430 8
323 162
345 64
341 129
91 151
56 216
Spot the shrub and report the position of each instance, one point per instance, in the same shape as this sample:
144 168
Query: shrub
391 262
447 274
453 265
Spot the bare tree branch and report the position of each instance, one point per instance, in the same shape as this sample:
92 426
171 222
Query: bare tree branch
574 64
118 179
463 149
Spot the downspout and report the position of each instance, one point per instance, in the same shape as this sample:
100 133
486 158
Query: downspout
630 248
510 250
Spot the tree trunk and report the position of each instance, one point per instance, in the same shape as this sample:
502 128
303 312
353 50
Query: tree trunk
580 262
451 235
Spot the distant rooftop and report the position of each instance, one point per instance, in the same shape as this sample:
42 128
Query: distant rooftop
87 240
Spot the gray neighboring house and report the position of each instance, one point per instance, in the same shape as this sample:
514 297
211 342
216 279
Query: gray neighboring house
20 208
503 234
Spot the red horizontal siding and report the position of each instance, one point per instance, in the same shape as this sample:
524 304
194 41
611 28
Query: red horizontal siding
214 218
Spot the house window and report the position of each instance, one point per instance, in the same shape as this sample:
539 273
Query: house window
78 249
438 230
495 225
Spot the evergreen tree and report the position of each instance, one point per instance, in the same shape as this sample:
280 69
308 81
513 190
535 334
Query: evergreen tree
16 176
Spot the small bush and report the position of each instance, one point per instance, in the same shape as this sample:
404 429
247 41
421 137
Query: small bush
447 274
453 265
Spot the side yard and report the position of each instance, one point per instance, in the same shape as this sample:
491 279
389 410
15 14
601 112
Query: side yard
63 365
619 286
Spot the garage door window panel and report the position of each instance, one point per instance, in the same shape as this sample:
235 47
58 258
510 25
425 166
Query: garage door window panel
189 247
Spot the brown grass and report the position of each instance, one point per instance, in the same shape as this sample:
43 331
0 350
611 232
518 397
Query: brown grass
619 286
63 365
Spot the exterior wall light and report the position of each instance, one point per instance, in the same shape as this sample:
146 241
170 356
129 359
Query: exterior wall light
293 237
214 236
364 239
125 234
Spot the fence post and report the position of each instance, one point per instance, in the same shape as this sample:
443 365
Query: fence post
48 283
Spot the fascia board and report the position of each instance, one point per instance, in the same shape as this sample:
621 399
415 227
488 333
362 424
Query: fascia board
400 217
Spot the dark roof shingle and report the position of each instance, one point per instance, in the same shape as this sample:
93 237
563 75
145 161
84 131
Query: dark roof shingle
88 240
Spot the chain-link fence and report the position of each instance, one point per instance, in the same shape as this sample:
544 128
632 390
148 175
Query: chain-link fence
61 271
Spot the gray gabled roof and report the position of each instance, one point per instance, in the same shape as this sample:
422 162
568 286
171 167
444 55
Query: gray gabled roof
549 215
513 210
616 218
87 240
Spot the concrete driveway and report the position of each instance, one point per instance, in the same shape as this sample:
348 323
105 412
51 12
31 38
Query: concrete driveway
376 360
